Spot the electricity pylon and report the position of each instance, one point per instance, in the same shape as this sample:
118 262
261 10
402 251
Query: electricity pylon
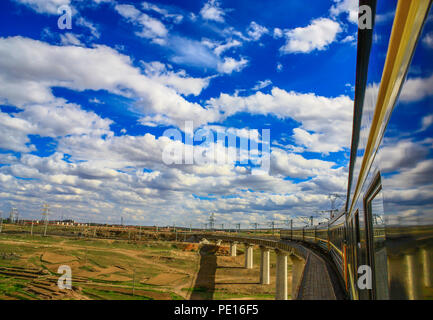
13 214
211 221
45 213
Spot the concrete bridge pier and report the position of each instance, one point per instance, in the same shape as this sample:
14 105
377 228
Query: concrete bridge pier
264 265
248 256
233 249
298 266
281 280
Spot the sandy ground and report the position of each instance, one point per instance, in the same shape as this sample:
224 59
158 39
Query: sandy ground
214 275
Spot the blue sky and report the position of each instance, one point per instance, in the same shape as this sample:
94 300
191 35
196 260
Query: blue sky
83 110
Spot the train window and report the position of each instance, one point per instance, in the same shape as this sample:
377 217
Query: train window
375 227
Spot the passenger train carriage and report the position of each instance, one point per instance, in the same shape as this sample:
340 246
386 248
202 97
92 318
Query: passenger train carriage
387 221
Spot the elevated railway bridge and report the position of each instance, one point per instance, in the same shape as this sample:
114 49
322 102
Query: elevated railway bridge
314 276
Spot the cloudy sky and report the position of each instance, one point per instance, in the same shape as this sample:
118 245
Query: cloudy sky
84 110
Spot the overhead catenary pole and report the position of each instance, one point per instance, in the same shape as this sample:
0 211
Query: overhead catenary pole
272 224
211 221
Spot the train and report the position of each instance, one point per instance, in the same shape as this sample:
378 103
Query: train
381 240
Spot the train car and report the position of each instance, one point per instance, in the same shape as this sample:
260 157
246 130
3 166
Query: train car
382 241
297 234
310 234
336 231
389 206
322 236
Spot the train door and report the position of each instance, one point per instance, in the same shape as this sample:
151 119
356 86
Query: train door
356 242
354 247
375 236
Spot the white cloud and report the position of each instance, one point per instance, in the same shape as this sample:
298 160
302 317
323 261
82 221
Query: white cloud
89 25
346 6
51 120
151 28
70 39
262 84
174 17
316 36
51 6
296 166
14 132
212 11
61 120
330 119
256 31
228 65
279 67
44 6
321 142
25 80
278 33
220 48
177 80
348 38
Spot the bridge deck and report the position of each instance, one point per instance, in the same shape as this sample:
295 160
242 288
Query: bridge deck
316 282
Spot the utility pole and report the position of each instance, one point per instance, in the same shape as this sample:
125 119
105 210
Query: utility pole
45 213
31 229
1 221
238 226
190 228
